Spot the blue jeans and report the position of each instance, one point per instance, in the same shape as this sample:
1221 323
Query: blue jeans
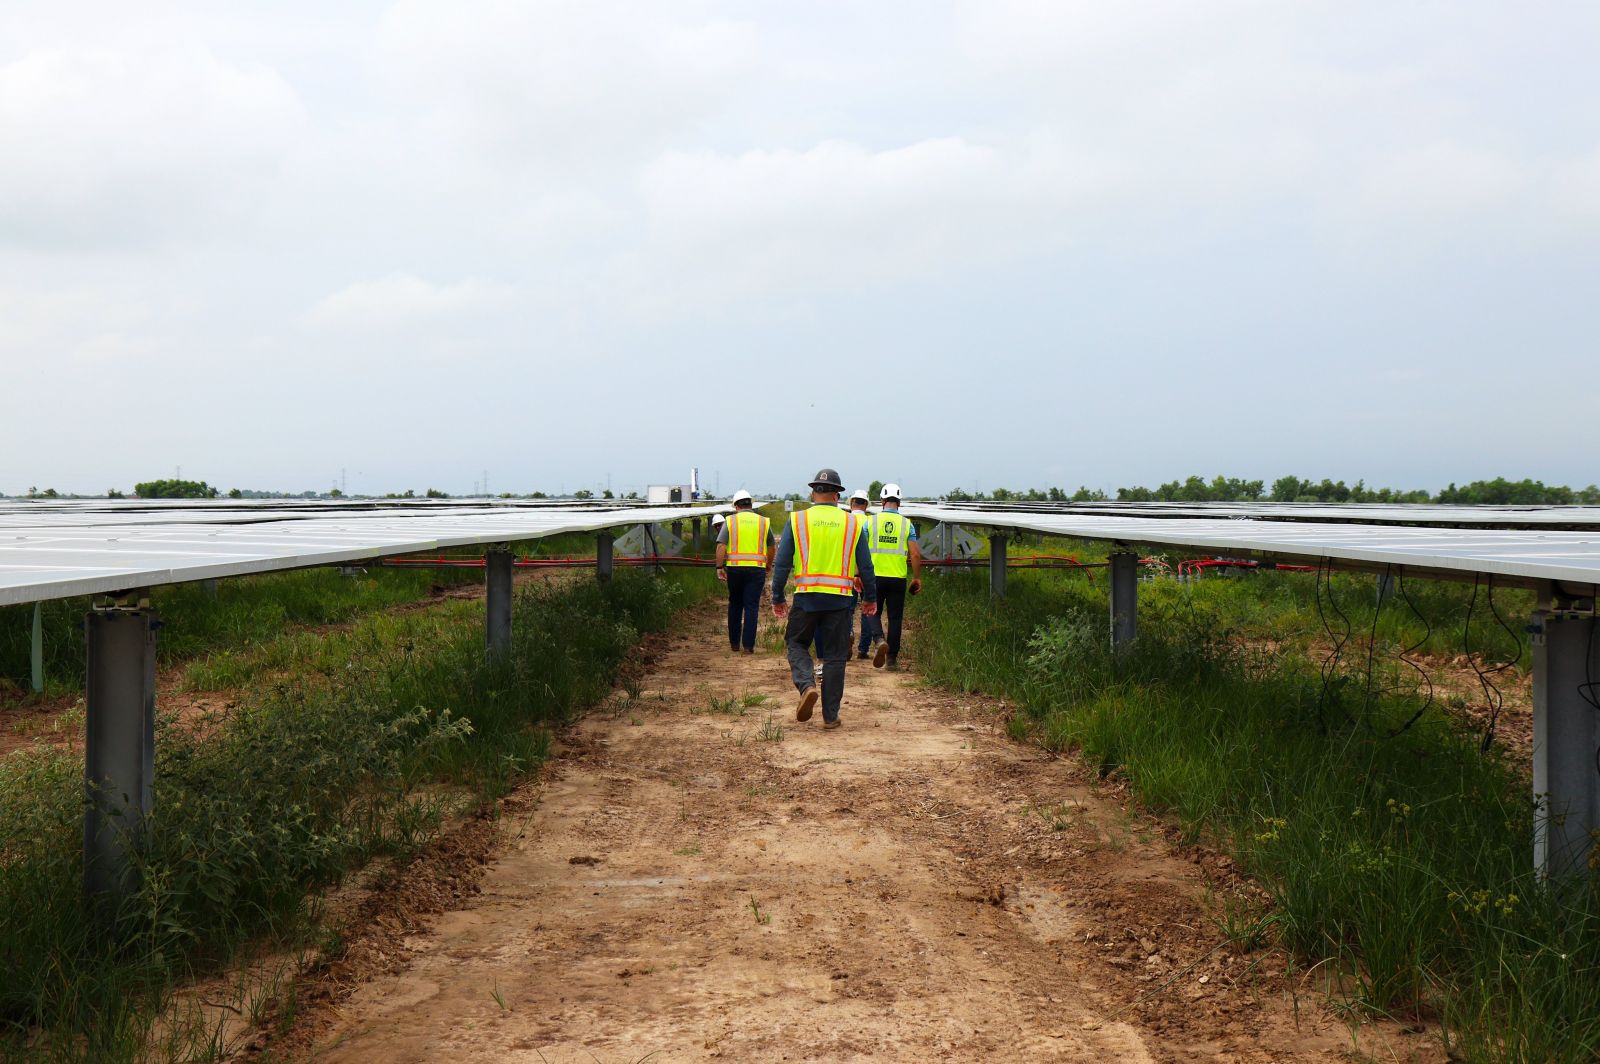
744 604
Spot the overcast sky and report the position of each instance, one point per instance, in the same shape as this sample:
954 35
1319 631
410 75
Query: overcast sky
1006 242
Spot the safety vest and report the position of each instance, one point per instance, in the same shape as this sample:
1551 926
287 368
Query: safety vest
890 540
747 539
825 540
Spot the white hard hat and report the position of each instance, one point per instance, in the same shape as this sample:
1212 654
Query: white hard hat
717 519
860 495
889 491
742 496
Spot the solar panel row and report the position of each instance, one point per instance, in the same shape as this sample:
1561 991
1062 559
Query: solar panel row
48 558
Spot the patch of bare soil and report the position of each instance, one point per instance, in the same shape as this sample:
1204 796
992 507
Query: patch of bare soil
686 882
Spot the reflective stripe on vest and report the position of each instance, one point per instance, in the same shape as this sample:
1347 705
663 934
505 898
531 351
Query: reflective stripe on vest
747 539
825 540
891 544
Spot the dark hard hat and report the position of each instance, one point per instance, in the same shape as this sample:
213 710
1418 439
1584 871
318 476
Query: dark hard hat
827 480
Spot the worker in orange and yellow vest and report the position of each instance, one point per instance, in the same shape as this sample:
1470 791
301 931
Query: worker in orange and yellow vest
744 555
826 548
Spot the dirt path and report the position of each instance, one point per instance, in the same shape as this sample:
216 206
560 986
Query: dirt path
686 886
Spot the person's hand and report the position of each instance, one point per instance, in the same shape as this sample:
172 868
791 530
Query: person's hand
780 610
869 609
916 585
722 574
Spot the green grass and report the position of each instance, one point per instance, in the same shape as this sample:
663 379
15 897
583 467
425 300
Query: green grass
1401 856
404 723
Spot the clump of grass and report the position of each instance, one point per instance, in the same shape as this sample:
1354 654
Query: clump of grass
770 731
1401 855
285 795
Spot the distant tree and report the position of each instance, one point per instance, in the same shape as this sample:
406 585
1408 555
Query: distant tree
538 495
335 493
113 493
631 495
957 495
435 493
235 494
583 493
875 489
607 494
1083 494
175 489
1590 496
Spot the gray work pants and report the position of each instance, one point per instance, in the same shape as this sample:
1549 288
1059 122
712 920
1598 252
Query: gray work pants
831 629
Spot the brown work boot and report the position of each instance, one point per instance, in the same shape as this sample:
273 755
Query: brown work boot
808 702
829 725
880 656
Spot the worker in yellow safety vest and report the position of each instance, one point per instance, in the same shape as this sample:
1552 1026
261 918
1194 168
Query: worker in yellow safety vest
744 554
826 549
895 555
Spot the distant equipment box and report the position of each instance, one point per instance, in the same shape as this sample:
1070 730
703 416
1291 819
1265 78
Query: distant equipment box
670 493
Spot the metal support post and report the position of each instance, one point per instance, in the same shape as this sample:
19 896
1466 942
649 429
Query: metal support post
1566 741
120 742
677 529
36 655
695 524
498 566
947 542
997 566
603 555
1124 599
1385 588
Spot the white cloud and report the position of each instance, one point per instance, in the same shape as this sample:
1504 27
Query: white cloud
840 215
116 147
559 83
404 300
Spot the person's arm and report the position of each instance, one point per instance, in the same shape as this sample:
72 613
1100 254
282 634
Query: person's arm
722 553
772 545
782 563
869 579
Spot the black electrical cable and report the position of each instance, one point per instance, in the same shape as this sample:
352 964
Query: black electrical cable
1494 698
1587 689
1405 656
1494 610
1372 652
1330 664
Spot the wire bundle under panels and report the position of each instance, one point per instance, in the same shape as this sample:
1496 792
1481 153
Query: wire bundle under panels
1371 691
1494 698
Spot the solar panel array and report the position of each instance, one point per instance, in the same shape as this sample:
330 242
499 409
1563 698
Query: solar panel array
50 556
1361 513
1522 555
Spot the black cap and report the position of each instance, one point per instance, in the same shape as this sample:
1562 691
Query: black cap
827 480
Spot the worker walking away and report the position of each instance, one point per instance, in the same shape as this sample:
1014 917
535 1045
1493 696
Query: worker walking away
826 549
744 556
871 627
895 556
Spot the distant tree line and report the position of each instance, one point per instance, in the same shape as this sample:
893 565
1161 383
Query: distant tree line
175 489
1496 492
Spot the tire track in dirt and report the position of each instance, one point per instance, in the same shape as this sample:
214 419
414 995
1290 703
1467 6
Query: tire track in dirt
911 887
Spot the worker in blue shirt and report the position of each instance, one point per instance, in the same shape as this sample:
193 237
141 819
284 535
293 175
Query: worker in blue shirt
827 551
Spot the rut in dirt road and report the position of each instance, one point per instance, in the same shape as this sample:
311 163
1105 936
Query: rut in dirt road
701 878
